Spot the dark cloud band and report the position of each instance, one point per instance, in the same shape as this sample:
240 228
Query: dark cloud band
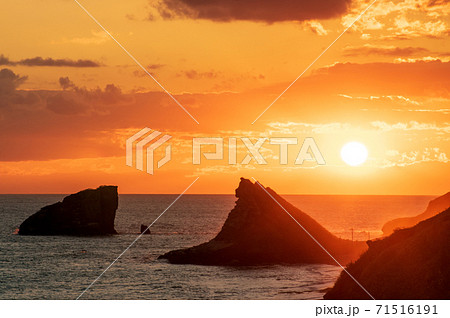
269 11
39 61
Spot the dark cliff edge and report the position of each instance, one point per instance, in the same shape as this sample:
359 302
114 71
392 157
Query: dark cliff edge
434 207
258 231
88 212
410 264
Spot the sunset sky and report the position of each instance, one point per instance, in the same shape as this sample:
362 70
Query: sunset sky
70 96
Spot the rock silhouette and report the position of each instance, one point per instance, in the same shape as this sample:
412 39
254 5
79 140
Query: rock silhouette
144 229
259 231
409 264
434 207
88 212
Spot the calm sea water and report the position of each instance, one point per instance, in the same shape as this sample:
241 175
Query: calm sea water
61 267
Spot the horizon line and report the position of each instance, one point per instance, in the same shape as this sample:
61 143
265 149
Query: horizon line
309 194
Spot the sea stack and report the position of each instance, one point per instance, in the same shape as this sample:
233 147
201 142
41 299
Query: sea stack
434 207
410 264
145 229
259 231
88 212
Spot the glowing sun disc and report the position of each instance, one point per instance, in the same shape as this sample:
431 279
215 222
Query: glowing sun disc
354 153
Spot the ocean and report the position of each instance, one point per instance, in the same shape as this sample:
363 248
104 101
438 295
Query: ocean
62 267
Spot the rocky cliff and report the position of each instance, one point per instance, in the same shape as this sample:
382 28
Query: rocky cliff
88 212
434 207
259 231
410 264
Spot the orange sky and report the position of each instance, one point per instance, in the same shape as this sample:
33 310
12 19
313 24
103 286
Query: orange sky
70 96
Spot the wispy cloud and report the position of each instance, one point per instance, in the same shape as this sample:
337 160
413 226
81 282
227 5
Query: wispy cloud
404 159
383 50
398 98
316 27
290 127
444 111
410 126
98 37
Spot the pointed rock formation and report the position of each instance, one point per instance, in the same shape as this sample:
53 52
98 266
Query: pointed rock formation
410 264
88 212
434 207
259 231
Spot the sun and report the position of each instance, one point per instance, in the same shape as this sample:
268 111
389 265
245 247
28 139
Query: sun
354 153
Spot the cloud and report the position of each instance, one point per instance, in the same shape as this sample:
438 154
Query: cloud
70 122
195 75
155 66
444 111
316 27
268 11
389 98
64 105
400 20
9 82
298 127
150 68
66 83
409 158
444 57
4 60
410 126
39 61
382 50
407 28
415 78
110 94
98 37
74 100
130 17
434 3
